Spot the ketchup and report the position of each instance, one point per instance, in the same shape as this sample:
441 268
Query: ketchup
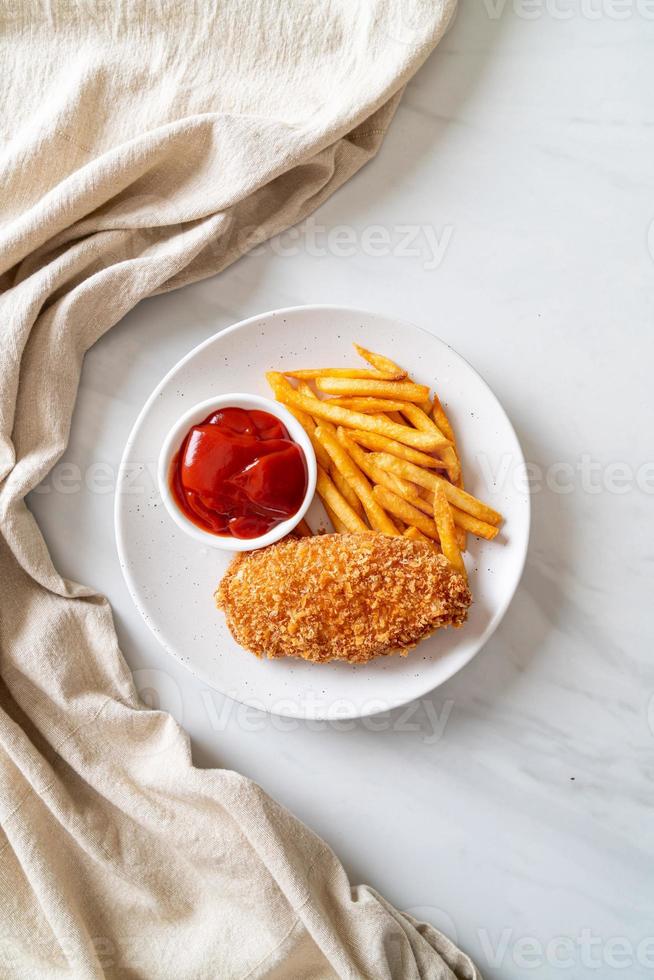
238 473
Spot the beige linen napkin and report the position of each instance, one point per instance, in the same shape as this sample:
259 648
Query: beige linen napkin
145 145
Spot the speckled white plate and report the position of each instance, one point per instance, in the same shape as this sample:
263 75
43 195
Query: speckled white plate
171 577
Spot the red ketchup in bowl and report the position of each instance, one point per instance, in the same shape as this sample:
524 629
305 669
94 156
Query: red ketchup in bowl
238 473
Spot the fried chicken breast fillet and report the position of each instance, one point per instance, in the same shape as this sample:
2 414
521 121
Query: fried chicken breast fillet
340 597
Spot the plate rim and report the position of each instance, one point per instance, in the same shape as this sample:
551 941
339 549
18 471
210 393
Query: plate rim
318 715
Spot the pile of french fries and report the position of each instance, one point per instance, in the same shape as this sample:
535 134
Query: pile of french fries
387 455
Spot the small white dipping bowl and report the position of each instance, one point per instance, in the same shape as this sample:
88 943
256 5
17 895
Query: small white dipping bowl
174 440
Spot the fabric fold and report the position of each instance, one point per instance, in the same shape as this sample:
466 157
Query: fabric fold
145 147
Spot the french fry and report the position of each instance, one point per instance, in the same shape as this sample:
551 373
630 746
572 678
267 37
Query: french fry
281 387
446 531
379 519
411 494
476 526
413 534
310 374
317 448
424 406
372 440
355 420
439 416
441 419
305 389
337 523
425 478
380 362
344 487
397 390
382 427
400 508
370 406
372 471
461 532
333 499
451 462
463 521
341 483
278 383
420 420
302 530
423 423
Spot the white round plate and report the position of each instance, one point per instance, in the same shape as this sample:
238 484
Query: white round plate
172 577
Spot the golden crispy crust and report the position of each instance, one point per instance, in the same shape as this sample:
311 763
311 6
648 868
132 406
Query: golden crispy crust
340 597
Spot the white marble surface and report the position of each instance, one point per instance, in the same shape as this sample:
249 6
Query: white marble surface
512 807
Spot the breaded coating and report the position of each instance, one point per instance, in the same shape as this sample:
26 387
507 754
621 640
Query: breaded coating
340 597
